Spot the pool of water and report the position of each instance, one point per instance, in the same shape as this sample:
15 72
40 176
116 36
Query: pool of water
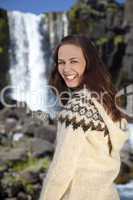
125 191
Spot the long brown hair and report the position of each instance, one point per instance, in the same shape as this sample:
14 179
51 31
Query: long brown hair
96 76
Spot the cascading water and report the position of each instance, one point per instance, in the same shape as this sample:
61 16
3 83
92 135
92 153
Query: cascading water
30 56
27 64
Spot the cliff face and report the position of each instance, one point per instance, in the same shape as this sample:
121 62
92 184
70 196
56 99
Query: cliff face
129 12
128 58
4 44
103 22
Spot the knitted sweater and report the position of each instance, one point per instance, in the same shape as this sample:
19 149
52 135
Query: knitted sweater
82 168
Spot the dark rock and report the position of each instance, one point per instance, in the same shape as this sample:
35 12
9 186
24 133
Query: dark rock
46 132
36 146
12 154
126 154
22 196
125 169
30 177
10 124
40 147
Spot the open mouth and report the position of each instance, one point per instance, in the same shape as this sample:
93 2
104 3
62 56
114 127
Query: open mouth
70 77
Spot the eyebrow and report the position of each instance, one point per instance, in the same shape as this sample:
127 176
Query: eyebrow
69 59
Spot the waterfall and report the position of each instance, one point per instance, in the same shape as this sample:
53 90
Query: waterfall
32 39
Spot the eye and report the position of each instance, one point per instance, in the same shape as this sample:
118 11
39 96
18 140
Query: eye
73 61
61 63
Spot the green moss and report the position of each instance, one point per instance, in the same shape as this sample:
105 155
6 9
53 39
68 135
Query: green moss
74 13
2 167
1 50
32 164
118 39
29 188
9 163
15 177
102 41
112 7
10 180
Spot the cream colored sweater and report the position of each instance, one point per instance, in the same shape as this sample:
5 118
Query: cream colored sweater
82 168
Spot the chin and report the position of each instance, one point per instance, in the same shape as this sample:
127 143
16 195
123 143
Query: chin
72 86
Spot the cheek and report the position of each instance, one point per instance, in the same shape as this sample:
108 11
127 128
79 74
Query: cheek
81 69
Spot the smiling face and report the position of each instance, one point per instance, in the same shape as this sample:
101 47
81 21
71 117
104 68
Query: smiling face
71 64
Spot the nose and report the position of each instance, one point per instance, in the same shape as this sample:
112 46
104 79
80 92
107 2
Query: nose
67 68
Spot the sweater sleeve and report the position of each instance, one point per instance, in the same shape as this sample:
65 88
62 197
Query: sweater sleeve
70 140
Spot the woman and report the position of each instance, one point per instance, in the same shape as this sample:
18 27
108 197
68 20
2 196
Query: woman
90 130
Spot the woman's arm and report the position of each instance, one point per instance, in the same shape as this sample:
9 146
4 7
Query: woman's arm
62 168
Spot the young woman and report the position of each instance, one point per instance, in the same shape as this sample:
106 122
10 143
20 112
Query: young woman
91 130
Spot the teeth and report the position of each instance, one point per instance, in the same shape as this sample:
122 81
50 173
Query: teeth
70 77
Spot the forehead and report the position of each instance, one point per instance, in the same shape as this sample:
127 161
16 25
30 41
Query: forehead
70 50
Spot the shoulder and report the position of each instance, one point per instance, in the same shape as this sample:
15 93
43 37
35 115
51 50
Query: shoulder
81 111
